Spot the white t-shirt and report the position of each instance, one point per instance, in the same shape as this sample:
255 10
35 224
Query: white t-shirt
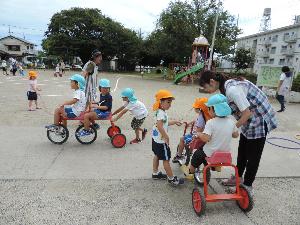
156 135
237 94
137 109
79 106
220 131
57 69
32 85
285 86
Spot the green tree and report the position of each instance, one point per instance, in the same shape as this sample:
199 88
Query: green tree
243 59
78 31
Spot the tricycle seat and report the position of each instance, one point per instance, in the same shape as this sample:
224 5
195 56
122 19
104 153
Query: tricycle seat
220 157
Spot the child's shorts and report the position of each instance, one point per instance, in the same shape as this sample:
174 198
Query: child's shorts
198 158
31 95
137 123
101 114
188 138
70 113
161 150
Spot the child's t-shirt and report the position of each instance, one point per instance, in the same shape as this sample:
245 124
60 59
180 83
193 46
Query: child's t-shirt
137 109
106 100
32 85
57 69
220 130
199 123
79 106
160 115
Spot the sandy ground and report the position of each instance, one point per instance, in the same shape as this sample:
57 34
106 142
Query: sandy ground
42 183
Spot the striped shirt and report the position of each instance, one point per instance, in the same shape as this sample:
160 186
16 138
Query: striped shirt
91 81
262 111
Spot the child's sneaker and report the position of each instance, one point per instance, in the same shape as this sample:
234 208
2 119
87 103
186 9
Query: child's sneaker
83 133
144 132
52 127
159 176
96 126
186 172
176 181
135 141
177 158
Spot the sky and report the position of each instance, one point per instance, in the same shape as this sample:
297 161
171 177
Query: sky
31 20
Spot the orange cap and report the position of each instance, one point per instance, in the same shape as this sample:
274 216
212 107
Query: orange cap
161 94
200 104
32 73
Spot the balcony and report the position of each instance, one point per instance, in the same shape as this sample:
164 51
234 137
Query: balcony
287 52
290 38
264 54
267 42
30 52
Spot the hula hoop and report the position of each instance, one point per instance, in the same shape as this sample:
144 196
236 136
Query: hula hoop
281 146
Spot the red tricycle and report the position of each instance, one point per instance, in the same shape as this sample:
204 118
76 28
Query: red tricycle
242 195
61 134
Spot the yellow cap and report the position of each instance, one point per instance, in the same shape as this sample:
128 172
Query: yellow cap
161 94
200 104
32 73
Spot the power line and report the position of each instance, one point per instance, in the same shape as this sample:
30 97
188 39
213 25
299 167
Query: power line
19 27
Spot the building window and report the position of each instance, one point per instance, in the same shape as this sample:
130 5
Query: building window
273 50
299 46
264 38
15 48
270 38
281 61
275 38
271 61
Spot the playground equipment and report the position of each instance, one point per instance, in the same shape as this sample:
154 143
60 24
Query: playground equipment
242 196
60 134
199 57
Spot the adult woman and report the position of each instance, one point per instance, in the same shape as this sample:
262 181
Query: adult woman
255 116
284 85
90 71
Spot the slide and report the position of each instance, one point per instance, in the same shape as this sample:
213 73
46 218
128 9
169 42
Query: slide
188 72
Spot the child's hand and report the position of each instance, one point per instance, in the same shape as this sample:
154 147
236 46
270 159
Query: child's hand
178 123
113 119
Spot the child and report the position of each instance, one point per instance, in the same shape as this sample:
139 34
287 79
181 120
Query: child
137 109
203 115
160 138
32 91
284 86
21 71
217 133
100 110
71 108
57 71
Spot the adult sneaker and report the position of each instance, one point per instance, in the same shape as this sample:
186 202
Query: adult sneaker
144 132
83 133
159 176
231 181
176 181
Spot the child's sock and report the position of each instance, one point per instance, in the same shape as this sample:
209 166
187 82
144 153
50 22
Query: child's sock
170 178
155 173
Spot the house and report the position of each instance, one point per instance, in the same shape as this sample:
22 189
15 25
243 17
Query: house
278 47
11 46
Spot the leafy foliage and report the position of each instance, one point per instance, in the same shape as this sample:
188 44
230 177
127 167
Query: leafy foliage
243 59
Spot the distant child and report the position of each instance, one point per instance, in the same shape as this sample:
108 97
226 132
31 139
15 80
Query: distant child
72 108
32 90
21 71
137 109
160 137
202 116
217 133
57 71
100 110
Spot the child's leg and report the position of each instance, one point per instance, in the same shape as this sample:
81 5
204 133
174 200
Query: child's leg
36 104
197 159
155 164
180 146
58 113
137 132
168 168
30 104
88 118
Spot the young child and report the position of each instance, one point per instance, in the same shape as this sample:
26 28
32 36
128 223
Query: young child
57 71
100 110
71 108
217 133
160 138
202 116
137 109
32 90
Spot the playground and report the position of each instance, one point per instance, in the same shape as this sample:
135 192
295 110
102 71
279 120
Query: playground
43 183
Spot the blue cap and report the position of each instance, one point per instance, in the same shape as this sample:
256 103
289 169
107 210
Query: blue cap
105 83
129 93
80 79
219 102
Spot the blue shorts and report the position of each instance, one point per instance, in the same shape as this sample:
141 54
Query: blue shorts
70 113
188 138
101 114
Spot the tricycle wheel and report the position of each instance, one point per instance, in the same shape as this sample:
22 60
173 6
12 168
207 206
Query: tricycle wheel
112 130
58 136
198 175
246 204
86 140
118 140
198 201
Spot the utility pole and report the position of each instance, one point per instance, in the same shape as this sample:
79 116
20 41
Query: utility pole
214 37
9 30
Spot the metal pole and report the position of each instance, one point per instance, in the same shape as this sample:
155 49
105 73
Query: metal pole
213 40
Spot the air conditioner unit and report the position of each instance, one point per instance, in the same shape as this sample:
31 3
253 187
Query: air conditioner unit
297 19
